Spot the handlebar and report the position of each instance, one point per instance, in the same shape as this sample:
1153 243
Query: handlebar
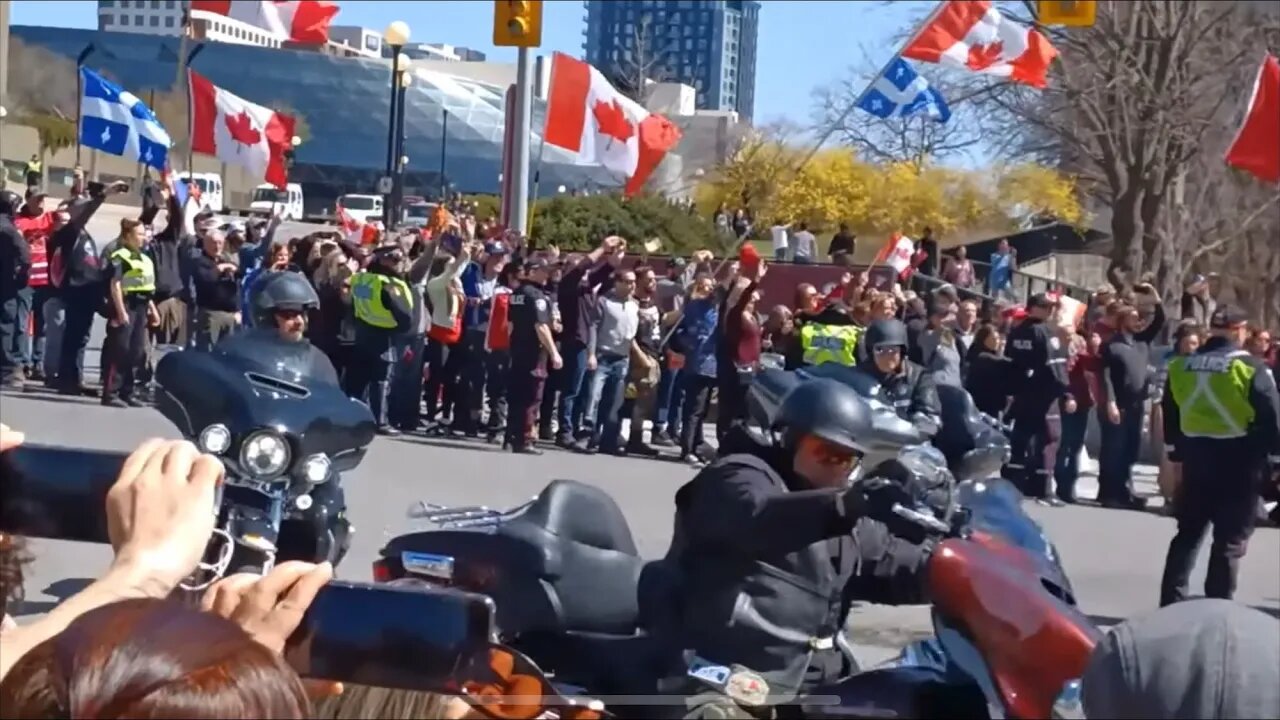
923 519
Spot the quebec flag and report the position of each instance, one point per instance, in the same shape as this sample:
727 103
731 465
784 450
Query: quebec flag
900 92
115 121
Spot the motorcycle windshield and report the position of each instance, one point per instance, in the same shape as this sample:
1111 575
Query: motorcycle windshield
995 507
255 380
965 429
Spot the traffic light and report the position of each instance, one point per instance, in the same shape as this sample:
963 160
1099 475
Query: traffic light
517 23
1074 13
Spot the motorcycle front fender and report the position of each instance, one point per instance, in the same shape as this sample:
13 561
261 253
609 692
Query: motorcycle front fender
896 692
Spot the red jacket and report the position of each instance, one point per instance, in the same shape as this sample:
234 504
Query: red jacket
36 229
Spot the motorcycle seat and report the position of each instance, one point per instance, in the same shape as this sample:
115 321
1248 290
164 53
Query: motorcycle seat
589 561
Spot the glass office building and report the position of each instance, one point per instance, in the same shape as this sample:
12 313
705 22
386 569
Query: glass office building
709 45
345 104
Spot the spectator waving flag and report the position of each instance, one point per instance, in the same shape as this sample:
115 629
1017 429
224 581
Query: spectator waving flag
900 92
116 122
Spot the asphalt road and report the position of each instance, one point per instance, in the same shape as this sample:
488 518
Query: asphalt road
1114 558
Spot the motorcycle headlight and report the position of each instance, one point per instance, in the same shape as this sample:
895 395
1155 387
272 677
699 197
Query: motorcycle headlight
264 454
215 439
316 469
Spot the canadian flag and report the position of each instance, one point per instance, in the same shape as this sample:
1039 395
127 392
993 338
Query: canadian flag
1256 149
300 21
896 253
974 35
587 116
239 132
358 231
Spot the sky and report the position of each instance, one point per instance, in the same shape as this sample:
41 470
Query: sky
803 44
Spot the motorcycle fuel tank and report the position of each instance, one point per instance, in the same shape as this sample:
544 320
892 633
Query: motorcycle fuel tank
1032 641
256 380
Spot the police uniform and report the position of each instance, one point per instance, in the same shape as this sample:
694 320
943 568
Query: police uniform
125 347
1040 373
822 343
383 308
1221 413
530 308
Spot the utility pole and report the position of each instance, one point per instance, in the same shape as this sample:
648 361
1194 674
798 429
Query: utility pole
4 71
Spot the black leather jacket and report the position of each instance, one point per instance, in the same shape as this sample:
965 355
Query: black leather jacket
767 572
911 391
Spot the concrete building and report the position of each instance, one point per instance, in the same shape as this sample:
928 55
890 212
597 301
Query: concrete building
709 45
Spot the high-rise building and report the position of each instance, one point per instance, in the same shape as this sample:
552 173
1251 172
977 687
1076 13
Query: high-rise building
709 45
148 17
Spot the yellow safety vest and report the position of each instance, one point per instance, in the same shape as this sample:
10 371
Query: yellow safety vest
1212 393
139 276
366 298
829 343
33 166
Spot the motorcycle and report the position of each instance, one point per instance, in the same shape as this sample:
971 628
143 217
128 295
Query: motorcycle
274 413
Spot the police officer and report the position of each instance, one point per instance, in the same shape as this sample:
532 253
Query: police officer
830 336
1222 422
131 284
532 347
1040 379
906 386
383 305
770 548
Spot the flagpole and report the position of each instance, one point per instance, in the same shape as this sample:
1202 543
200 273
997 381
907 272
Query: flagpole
179 81
191 121
537 178
863 95
88 50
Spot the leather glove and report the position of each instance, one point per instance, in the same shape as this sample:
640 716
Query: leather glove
875 498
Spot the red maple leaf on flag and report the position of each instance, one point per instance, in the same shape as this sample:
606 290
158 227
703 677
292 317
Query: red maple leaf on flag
612 120
242 130
982 57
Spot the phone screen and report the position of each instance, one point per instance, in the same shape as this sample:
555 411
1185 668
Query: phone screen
412 638
56 492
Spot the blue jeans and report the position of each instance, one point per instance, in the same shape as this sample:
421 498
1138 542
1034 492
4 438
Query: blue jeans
33 345
573 395
1121 444
609 384
14 311
1067 468
666 408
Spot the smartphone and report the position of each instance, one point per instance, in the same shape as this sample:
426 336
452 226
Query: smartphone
406 637
55 492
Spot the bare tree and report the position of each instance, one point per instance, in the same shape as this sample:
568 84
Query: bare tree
1132 106
41 82
648 61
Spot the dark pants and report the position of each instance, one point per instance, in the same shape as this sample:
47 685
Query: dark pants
1121 444
34 344
124 352
81 307
524 395
1027 443
697 402
14 311
403 408
497 368
212 326
731 389
573 390
667 406
611 380
443 381
550 401
472 377
1222 489
1071 441
368 379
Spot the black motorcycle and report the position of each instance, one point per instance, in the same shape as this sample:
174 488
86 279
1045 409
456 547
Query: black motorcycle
274 413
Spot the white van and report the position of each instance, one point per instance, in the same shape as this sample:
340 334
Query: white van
362 207
268 198
210 185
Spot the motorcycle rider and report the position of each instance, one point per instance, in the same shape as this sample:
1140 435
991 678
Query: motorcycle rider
906 386
769 549
280 302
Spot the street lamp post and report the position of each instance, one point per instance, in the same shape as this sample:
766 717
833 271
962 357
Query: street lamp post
402 160
396 36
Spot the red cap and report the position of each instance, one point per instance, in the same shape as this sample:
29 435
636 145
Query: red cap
748 256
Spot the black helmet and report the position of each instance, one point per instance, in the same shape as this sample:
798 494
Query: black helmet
886 333
827 409
10 201
275 291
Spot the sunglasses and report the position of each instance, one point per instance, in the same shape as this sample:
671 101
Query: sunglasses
502 683
888 350
827 453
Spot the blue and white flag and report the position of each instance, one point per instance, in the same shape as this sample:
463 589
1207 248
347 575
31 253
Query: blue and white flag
115 121
900 92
